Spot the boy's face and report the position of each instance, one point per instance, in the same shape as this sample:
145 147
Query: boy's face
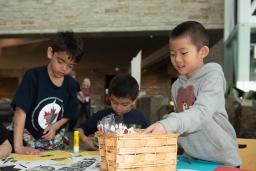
121 105
60 63
186 58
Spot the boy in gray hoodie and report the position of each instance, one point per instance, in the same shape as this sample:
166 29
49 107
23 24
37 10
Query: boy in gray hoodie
200 116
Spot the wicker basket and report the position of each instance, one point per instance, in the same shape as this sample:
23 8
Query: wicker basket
138 152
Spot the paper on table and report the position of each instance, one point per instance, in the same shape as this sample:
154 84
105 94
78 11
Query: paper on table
56 159
24 164
89 153
48 155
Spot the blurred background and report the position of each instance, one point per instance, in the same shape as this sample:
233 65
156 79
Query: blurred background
113 32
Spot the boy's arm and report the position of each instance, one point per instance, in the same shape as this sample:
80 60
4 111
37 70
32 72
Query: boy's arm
157 128
50 131
90 143
5 149
19 123
90 126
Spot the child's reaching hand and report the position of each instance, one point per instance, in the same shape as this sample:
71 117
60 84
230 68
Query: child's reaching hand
155 128
49 132
89 142
27 150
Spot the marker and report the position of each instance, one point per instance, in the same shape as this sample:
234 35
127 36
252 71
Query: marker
76 142
22 165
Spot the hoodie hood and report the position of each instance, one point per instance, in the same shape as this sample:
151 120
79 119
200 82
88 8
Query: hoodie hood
205 69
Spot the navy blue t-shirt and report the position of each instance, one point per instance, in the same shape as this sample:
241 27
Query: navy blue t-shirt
43 102
132 117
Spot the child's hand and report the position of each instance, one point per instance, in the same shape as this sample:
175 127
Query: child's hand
49 132
87 98
155 128
27 150
90 143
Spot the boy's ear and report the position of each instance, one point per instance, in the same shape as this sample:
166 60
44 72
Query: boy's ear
49 52
204 51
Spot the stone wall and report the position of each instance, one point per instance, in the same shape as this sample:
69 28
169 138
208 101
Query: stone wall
90 16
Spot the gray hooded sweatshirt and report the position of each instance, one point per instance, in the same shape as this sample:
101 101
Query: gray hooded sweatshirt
201 118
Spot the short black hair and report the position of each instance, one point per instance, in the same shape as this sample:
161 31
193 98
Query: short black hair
194 30
68 42
124 86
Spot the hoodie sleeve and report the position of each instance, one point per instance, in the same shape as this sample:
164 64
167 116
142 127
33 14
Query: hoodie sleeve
210 95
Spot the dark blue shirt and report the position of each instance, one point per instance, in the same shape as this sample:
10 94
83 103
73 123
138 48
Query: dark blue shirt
133 117
43 102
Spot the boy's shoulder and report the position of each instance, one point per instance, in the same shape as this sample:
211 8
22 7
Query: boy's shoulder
106 111
70 81
34 74
135 112
213 66
211 71
109 110
36 70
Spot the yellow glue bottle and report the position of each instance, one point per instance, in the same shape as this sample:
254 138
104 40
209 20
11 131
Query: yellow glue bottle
76 142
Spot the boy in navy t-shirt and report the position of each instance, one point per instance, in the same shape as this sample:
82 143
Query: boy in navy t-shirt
46 98
123 91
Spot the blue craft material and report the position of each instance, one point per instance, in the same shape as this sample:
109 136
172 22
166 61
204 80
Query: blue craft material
198 165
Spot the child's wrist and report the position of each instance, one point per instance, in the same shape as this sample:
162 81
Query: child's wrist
163 127
17 145
84 138
56 126
17 148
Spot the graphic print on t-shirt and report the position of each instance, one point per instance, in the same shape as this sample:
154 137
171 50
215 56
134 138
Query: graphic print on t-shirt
47 112
185 98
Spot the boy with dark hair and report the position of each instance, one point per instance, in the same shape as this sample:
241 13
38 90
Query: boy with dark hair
123 91
200 116
46 98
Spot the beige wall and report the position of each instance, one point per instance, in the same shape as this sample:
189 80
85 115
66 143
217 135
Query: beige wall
88 16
